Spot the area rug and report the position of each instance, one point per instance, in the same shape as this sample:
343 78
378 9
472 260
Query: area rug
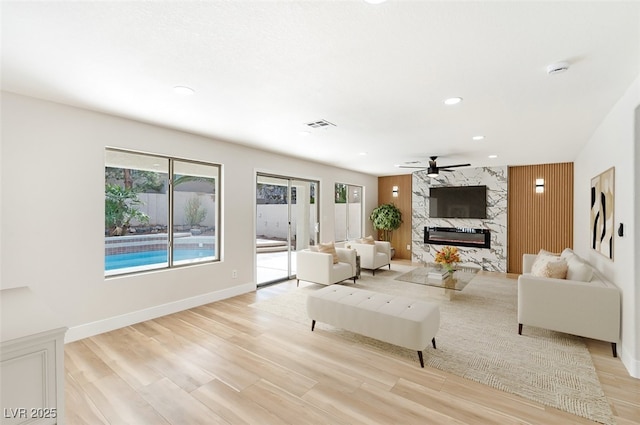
478 340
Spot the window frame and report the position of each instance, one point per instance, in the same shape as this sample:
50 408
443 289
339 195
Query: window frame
347 195
170 232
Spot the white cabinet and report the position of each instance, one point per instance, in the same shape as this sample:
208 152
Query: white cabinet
31 360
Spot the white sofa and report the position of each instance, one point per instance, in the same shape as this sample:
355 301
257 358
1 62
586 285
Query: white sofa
318 267
373 256
588 307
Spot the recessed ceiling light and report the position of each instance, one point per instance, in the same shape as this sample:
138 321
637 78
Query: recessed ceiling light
453 101
493 156
374 1
183 90
557 68
478 137
362 153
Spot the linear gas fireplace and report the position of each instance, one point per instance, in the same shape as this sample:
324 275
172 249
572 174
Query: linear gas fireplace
458 236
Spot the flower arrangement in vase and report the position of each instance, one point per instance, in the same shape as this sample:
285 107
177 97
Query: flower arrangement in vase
448 257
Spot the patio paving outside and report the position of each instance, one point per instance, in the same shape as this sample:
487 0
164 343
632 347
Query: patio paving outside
272 265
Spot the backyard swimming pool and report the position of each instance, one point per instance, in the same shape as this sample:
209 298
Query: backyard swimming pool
147 258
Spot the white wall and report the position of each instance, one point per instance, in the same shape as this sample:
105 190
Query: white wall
615 144
58 152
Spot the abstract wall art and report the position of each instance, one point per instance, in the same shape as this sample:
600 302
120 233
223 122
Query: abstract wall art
602 201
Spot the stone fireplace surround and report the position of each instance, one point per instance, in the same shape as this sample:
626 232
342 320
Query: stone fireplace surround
492 258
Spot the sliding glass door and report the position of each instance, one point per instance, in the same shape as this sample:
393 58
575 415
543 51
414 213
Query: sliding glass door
286 222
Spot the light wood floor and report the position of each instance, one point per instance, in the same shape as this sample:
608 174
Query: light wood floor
229 363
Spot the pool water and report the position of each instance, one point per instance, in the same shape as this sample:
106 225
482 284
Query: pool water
146 258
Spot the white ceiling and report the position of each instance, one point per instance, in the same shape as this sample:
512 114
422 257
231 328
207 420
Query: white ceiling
262 70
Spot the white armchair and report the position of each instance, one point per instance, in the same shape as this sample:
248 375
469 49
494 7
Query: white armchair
373 256
318 267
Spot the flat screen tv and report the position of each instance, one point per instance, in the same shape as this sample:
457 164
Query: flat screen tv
458 202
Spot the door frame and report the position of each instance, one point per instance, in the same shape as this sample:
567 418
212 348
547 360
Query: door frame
290 183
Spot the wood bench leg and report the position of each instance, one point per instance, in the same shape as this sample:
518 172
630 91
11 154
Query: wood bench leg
433 342
313 325
614 348
421 359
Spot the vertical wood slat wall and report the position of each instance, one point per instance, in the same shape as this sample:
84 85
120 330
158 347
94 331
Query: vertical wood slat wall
539 220
401 237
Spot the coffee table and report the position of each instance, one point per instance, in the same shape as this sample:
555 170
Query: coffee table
447 287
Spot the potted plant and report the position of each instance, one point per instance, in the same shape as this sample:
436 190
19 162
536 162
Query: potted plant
386 217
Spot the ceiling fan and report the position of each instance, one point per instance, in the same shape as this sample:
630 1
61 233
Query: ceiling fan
433 170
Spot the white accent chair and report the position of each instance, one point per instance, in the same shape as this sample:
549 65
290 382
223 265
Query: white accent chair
318 267
373 256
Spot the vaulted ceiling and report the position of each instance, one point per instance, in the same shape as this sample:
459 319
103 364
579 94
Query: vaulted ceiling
375 74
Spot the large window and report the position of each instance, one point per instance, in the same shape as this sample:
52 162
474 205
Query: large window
159 212
348 212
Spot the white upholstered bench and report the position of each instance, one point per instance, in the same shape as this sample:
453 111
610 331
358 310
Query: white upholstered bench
397 320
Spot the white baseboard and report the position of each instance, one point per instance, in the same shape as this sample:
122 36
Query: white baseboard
76 333
632 365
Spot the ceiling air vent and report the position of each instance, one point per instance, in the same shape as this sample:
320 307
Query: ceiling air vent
320 124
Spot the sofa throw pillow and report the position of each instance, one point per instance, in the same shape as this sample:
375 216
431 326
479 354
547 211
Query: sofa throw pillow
329 248
549 266
567 253
368 240
313 248
545 252
577 270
